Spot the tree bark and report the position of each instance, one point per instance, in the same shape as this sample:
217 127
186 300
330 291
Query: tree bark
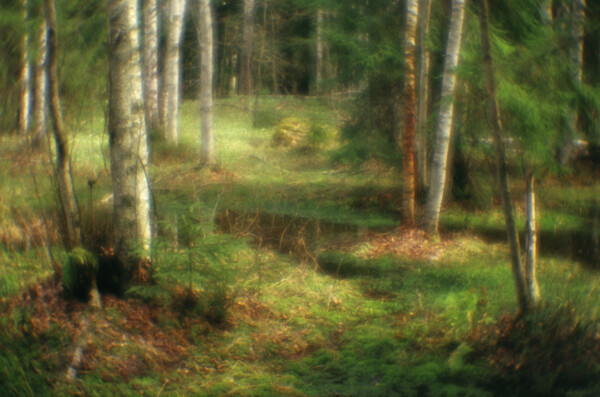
546 11
319 52
64 179
172 70
24 79
408 138
500 158
423 96
150 61
531 243
576 54
247 49
206 83
128 138
444 126
40 88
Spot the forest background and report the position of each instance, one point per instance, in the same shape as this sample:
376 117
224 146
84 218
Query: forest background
312 197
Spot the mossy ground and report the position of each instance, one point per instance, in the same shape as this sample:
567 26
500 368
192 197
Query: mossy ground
332 296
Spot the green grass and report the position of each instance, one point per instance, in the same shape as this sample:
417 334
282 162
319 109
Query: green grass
347 325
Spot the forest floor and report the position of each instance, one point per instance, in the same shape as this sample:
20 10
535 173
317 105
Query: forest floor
284 272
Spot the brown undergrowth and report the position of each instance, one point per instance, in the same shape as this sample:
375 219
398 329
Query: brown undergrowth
125 339
404 242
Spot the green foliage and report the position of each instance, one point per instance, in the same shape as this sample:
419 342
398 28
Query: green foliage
205 271
79 273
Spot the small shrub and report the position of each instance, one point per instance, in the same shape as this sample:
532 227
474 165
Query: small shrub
319 136
290 131
79 273
204 273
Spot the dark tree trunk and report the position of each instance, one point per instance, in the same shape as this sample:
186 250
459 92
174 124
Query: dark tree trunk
500 157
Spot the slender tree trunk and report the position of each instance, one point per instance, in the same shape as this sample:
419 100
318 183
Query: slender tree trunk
128 138
576 54
25 79
247 48
64 179
206 83
172 69
444 127
531 243
40 88
501 168
319 52
546 11
408 138
150 51
423 97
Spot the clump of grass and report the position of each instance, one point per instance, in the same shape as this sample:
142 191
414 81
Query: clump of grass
545 352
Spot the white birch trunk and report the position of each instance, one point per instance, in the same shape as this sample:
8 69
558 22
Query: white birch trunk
206 83
150 53
40 93
444 126
24 79
531 244
127 130
172 69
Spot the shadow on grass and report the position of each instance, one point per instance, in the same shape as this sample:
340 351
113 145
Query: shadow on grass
581 245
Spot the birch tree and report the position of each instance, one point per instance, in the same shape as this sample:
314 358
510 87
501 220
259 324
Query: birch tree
500 158
40 91
408 138
531 241
127 131
172 70
445 117
206 83
150 61
24 78
64 178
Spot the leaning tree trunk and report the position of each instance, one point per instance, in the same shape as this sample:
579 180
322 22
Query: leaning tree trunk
64 179
24 79
531 243
172 70
408 138
500 157
128 138
150 52
40 91
247 49
206 83
423 96
444 126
